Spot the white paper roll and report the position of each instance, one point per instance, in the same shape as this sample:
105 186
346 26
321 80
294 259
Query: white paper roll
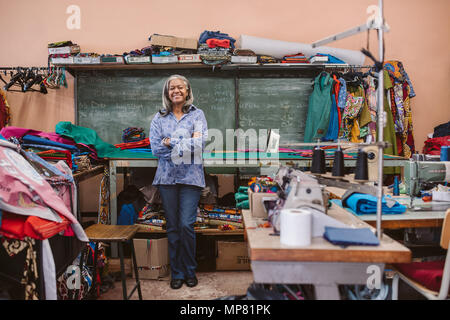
295 227
279 49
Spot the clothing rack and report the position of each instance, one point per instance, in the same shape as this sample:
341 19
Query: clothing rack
26 77
377 23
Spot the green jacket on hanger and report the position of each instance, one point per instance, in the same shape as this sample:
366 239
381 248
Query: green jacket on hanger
319 108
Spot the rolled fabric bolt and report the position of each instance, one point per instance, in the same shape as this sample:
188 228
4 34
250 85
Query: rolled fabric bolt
338 164
396 188
318 161
361 172
445 153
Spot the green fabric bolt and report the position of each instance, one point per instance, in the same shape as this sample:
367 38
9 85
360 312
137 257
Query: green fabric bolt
88 136
243 205
319 108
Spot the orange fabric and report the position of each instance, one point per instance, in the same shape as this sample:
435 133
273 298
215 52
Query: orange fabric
19 226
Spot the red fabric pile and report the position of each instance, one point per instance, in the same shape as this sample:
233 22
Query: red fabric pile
433 145
428 274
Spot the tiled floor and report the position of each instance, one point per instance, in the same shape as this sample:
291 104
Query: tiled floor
211 285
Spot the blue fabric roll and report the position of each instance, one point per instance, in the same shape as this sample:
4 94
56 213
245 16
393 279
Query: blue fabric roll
362 203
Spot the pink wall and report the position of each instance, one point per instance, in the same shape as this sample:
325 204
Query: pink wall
419 37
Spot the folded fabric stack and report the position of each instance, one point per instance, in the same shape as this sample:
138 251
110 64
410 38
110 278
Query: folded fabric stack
362 203
62 52
133 134
267 59
88 137
138 146
220 216
49 146
215 47
325 58
351 237
295 58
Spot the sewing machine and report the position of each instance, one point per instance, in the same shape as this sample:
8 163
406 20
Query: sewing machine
417 174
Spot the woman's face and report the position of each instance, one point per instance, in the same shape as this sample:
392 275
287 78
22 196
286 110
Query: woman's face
177 91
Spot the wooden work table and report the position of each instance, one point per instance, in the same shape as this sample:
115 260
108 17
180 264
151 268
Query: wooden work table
322 264
408 219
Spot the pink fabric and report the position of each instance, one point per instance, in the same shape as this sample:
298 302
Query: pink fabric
24 191
20 132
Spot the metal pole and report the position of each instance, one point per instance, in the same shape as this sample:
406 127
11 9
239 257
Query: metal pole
381 121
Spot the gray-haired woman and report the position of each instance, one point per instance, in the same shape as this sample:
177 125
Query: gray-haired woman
177 137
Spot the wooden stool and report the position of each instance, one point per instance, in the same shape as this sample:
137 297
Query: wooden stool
120 234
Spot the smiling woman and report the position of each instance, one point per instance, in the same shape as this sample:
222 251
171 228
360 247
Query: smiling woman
178 135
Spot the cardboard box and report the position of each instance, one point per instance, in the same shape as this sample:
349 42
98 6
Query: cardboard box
243 59
112 60
138 60
255 201
86 60
63 50
68 60
174 42
152 258
167 59
232 256
114 265
189 58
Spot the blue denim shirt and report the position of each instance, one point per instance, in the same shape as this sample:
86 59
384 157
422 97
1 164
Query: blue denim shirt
182 162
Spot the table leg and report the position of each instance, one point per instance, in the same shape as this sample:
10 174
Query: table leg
122 272
136 272
327 292
113 201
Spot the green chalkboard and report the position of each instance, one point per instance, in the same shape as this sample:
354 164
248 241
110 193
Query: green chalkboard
280 103
110 101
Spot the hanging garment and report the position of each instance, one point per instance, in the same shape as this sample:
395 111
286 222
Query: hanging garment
407 134
388 131
333 126
5 113
396 70
371 99
350 126
319 108
336 90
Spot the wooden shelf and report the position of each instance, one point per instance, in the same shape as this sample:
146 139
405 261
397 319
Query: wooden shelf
73 68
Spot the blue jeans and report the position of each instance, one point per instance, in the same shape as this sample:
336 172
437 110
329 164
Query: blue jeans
180 204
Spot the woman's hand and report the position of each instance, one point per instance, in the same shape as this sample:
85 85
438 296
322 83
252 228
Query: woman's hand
196 135
166 142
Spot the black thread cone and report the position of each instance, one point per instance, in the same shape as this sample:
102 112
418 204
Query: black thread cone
338 164
361 171
318 161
